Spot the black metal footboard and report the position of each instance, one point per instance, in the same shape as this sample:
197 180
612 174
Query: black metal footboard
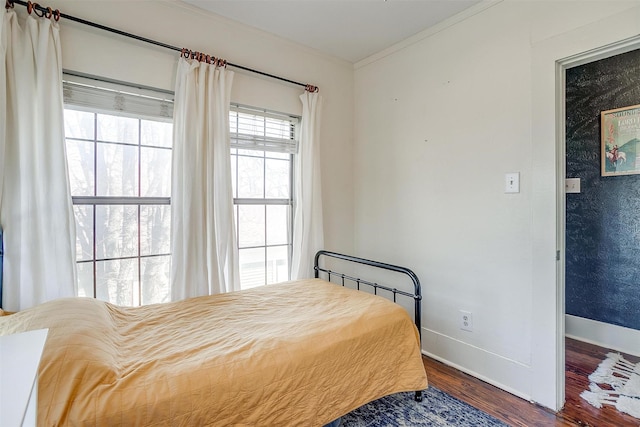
416 295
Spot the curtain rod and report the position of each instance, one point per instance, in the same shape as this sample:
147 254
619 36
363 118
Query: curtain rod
50 12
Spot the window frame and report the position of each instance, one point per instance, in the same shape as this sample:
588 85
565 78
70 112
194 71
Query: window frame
240 151
95 96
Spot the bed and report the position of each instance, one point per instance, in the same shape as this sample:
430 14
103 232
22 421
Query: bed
297 353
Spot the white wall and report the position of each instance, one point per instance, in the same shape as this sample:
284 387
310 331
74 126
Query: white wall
439 120
96 52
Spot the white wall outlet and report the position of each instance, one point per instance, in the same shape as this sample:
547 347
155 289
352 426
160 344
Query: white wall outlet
512 182
466 320
572 185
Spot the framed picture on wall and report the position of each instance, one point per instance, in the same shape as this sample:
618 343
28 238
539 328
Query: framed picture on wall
619 150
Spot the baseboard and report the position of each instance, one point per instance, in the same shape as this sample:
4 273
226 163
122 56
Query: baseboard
506 374
615 337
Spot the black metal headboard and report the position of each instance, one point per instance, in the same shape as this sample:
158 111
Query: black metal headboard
416 295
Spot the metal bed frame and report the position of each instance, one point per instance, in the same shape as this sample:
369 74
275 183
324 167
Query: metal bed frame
416 295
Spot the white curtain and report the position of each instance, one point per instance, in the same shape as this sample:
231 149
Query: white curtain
4 39
36 213
203 239
308 235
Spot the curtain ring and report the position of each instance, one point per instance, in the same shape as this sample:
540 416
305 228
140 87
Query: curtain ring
39 12
56 15
49 13
29 7
8 4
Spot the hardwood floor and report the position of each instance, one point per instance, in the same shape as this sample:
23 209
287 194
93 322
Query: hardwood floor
581 360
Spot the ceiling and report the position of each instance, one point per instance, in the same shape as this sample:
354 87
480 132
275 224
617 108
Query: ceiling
348 29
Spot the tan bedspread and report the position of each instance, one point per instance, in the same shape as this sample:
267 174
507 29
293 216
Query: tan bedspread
300 353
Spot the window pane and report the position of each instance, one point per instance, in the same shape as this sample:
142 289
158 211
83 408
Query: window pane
117 170
250 124
250 177
277 264
84 232
117 129
277 224
116 231
275 128
78 124
157 134
80 164
233 122
85 279
251 228
276 155
155 229
235 221
234 167
154 274
251 153
251 267
277 179
155 172
117 281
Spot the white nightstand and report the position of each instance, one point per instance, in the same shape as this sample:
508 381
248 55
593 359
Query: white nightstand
19 359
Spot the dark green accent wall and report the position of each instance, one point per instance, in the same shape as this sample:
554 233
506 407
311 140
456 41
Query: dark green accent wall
603 221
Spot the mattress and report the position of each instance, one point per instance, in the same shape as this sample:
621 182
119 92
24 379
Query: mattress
296 353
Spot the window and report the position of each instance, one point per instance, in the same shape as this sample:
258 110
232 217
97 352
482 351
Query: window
118 144
119 158
262 148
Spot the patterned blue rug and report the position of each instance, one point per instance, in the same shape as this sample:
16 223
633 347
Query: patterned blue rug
437 409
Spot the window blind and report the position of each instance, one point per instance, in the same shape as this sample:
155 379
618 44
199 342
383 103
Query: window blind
250 128
256 129
82 92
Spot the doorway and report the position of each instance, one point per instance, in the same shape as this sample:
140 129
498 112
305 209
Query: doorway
581 159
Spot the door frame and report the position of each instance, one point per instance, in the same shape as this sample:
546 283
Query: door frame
562 65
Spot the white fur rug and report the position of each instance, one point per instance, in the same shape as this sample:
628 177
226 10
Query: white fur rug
623 380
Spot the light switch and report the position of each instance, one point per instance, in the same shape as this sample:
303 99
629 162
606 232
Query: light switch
572 185
512 182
